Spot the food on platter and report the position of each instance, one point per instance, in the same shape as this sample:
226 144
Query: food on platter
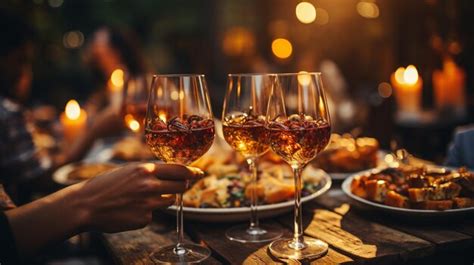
346 154
228 182
415 187
131 149
86 171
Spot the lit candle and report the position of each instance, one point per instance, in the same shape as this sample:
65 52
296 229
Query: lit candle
449 84
408 85
73 120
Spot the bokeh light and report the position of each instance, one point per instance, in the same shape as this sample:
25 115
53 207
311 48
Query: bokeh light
385 89
73 39
323 16
305 12
238 41
367 9
55 3
304 78
117 77
282 48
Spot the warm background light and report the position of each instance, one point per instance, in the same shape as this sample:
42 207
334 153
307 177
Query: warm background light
410 75
282 48
238 41
305 12
323 16
303 78
368 9
73 110
73 39
117 78
132 123
385 90
399 75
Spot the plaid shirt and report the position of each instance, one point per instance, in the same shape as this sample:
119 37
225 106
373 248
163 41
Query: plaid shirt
18 155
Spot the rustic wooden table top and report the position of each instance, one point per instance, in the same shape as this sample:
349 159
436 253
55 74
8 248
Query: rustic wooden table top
354 235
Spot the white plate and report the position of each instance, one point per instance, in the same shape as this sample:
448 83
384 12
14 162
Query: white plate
342 176
243 213
60 176
346 187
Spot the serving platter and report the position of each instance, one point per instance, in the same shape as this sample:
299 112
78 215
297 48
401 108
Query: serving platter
346 188
243 213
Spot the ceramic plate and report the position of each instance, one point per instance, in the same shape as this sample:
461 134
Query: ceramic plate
346 187
61 175
243 213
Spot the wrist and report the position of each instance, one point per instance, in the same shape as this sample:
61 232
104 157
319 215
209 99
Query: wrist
80 207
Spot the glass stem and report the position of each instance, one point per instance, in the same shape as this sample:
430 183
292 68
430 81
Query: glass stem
254 196
179 249
298 241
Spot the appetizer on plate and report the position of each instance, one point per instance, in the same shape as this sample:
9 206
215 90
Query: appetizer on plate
228 183
346 154
413 187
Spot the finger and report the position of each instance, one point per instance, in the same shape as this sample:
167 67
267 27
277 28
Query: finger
170 186
173 171
163 202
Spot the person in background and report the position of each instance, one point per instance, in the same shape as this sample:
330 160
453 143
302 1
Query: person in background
108 50
461 151
20 162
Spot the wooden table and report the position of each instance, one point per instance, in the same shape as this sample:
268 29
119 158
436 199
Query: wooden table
355 236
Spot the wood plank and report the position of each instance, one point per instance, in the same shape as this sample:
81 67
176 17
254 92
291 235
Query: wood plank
238 253
443 235
359 238
134 247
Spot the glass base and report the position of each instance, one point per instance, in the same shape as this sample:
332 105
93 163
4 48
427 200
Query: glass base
286 248
245 234
187 254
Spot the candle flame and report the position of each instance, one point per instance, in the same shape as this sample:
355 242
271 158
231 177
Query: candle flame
399 75
73 110
407 75
410 75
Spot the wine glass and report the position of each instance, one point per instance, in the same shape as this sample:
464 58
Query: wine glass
179 128
243 122
299 128
134 105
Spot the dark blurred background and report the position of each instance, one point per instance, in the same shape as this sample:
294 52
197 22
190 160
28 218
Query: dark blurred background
357 44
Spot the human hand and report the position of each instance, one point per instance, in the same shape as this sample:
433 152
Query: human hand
124 198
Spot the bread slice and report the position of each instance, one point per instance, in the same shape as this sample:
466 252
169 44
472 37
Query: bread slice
396 199
376 190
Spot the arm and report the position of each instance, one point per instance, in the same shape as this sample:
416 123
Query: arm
106 123
121 199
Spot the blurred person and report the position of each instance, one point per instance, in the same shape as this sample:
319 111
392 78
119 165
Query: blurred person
111 49
461 150
118 200
20 162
